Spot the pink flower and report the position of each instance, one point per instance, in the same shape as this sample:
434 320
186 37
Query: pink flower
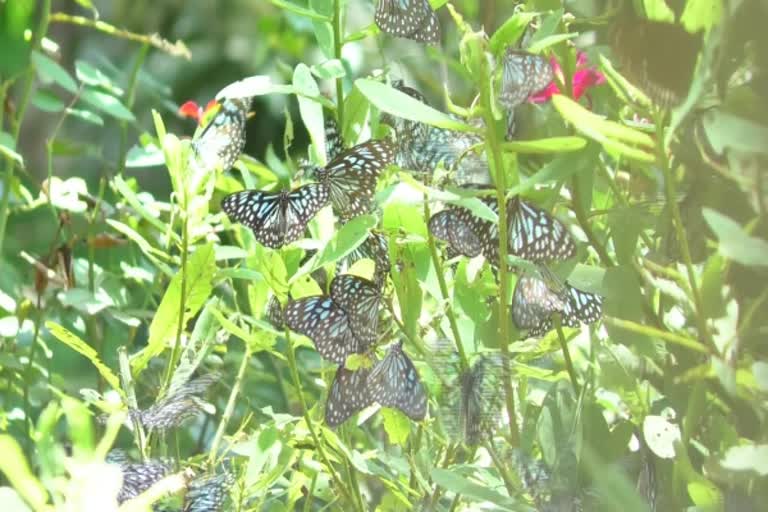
583 78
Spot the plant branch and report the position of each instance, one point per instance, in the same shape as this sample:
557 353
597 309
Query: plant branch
130 99
338 34
230 407
566 354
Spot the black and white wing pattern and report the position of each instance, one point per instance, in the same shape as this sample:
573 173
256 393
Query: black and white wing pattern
320 319
451 226
411 19
349 394
360 299
481 397
394 382
523 74
535 235
276 218
375 248
222 141
535 300
351 178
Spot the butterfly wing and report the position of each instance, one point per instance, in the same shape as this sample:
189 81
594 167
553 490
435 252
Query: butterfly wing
533 303
582 307
359 298
535 235
411 19
223 139
334 144
326 324
523 74
349 395
302 205
260 211
375 248
449 226
394 382
351 178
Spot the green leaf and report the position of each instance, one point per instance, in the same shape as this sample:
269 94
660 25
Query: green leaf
392 101
89 75
751 457
11 501
728 131
47 101
198 287
144 156
329 70
16 469
396 425
545 146
614 137
311 111
701 15
510 31
85 115
735 243
301 11
455 483
346 239
107 104
80 426
75 343
203 337
49 71
8 148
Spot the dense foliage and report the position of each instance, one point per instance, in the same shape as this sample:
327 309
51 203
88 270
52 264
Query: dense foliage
415 255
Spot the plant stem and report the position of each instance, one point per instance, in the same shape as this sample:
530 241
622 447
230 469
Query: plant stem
126 381
683 341
671 193
230 407
176 352
320 450
438 263
581 217
496 164
130 99
566 355
10 166
338 34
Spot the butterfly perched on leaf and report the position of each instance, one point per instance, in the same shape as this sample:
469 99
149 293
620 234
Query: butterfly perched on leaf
660 58
421 147
376 248
410 19
536 299
222 139
208 494
352 176
137 476
179 406
533 234
394 382
276 218
341 324
523 74
349 394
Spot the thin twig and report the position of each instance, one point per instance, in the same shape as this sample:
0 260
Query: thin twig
338 34
566 354
230 407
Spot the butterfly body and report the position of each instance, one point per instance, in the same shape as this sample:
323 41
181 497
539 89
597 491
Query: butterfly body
410 19
276 218
394 382
349 394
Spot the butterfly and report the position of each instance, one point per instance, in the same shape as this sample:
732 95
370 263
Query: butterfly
536 299
334 144
341 324
376 248
137 476
411 19
659 57
222 140
274 313
481 393
208 494
394 382
523 74
352 176
276 218
451 226
349 394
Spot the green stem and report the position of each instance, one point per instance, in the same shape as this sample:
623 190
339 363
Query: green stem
320 450
437 262
338 34
503 472
496 164
581 217
664 335
29 448
176 352
671 193
566 354
230 407
130 96
126 381
10 166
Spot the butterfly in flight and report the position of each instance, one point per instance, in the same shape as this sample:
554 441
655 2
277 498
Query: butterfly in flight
222 140
481 396
276 218
352 176
394 382
341 324
410 19
523 74
536 299
348 395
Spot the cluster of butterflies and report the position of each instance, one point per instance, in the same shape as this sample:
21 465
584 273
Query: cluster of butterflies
344 322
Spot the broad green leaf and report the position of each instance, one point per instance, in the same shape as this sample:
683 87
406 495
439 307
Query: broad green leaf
356 107
346 239
705 494
152 253
50 71
107 104
81 347
203 336
396 425
627 92
728 131
396 103
141 156
89 75
658 10
329 70
455 483
47 101
8 148
201 266
79 419
85 115
735 243
311 111
701 15
544 146
16 469
510 32
301 11
11 501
